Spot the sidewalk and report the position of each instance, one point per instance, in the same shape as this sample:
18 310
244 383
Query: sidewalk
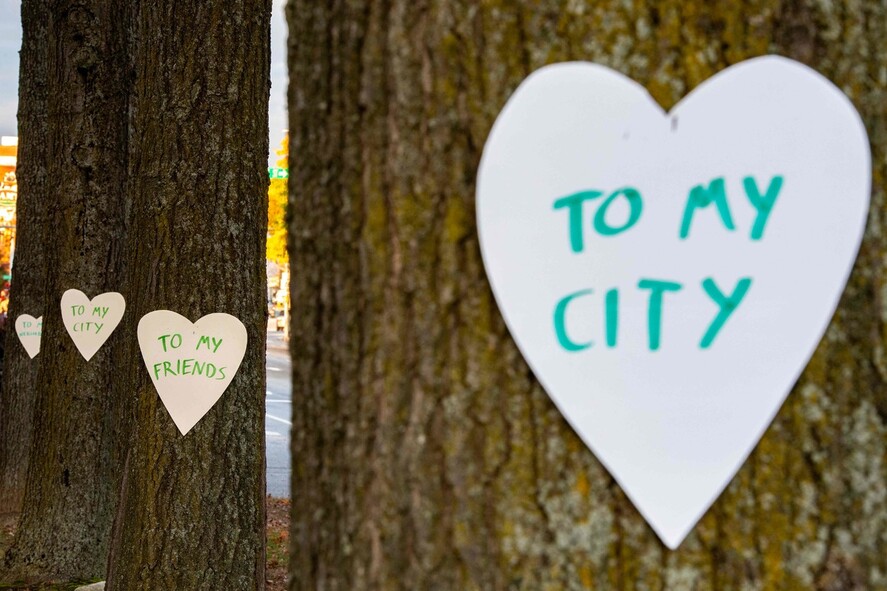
274 341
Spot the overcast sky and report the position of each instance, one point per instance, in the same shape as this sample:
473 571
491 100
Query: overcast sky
11 41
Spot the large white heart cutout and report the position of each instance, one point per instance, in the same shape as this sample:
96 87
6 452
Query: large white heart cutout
29 331
90 322
668 323
191 365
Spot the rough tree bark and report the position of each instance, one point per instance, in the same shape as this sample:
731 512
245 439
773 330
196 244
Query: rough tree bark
425 455
191 512
71 487
28 289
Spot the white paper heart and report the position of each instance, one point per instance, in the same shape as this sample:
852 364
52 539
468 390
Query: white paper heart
667 339
191 365
91 322
29 331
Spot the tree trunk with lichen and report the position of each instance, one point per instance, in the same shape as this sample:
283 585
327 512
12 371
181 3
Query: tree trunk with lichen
28 290
71 485
425 455
191 508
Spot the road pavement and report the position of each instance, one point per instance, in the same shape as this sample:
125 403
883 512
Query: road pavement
278 414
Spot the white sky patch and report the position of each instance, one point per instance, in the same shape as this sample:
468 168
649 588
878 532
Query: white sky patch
10 42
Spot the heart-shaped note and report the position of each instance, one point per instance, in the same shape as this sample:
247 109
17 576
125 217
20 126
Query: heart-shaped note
191 365
667 276
29 331
91 322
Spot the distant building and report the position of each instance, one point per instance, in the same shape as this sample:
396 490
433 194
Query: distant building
8 194
8 185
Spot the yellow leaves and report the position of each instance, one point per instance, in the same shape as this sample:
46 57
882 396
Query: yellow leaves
275 248
284 152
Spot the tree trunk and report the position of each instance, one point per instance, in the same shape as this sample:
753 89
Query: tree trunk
28 289
191 513
73 468
425 455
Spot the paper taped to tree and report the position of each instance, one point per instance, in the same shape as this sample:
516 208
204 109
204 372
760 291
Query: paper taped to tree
29 331
90 322
667 276
191 365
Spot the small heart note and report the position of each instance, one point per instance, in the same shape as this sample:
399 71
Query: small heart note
29 331
667 276
91 322
191 364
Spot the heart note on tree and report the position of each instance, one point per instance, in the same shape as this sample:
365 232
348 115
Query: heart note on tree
29 331
668 276
191 365
91 322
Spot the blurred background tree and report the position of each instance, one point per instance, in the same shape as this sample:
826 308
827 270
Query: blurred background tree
34 210
77 81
